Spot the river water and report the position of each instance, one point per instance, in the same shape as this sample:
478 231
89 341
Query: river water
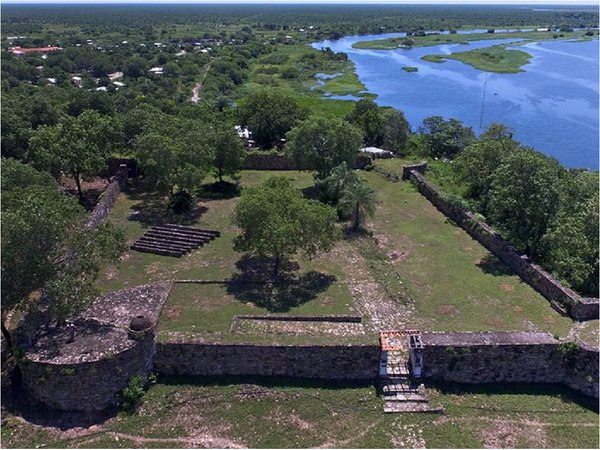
552 106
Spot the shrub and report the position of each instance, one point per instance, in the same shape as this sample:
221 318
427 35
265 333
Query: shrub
181 202
132 393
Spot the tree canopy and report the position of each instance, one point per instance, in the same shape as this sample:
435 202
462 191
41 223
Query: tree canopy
77 146
276 221
524 197
46 246
445 138
321 143
269 114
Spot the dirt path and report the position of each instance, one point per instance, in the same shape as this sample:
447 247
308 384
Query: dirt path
369 297
196 90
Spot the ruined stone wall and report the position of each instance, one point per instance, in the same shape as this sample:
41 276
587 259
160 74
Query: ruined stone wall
331 362
87 386
108 198
268 161
585 309
531 273
509 358
279 161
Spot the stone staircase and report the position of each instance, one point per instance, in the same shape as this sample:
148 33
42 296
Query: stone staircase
400 391
173 240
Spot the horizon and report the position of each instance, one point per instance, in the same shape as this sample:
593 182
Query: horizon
539 3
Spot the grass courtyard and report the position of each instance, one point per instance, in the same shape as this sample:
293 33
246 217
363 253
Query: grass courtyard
415 254
276 413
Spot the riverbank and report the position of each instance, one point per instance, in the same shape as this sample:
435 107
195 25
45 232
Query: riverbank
496 59
433 39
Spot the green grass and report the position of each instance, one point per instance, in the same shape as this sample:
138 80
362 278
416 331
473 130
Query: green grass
324 106
303 88
589 332
434 58
493 59
410 69
280 413
427 41
209 308
345 84
456 283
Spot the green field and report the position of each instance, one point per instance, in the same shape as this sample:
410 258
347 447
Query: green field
303 86
415 255
274 413
455 282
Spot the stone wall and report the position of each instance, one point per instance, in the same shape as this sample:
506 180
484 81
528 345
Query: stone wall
331 362
108 198
87 385
585 309
279 161
531 273
268 161
509 358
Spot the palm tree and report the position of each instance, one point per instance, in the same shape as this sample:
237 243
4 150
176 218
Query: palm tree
340 178
358 199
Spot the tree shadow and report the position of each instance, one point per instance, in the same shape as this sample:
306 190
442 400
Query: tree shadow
220 190
315 192
256 284
153 209
490 264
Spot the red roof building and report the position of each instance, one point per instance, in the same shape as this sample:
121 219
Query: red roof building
22 51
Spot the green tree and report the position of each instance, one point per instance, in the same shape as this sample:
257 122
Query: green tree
276 221
524 197
321 143
334 185
396 130
78 146
269 115
135 67
358 200
47 247
228 153
181 162
569 248
445 138
367 117
476 164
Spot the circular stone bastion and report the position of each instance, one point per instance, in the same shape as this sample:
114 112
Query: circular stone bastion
84 368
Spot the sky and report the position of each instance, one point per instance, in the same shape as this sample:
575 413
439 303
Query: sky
514 2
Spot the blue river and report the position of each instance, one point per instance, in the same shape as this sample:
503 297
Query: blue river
552 106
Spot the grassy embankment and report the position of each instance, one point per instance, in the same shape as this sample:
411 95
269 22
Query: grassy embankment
454 282
187 412
496 58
